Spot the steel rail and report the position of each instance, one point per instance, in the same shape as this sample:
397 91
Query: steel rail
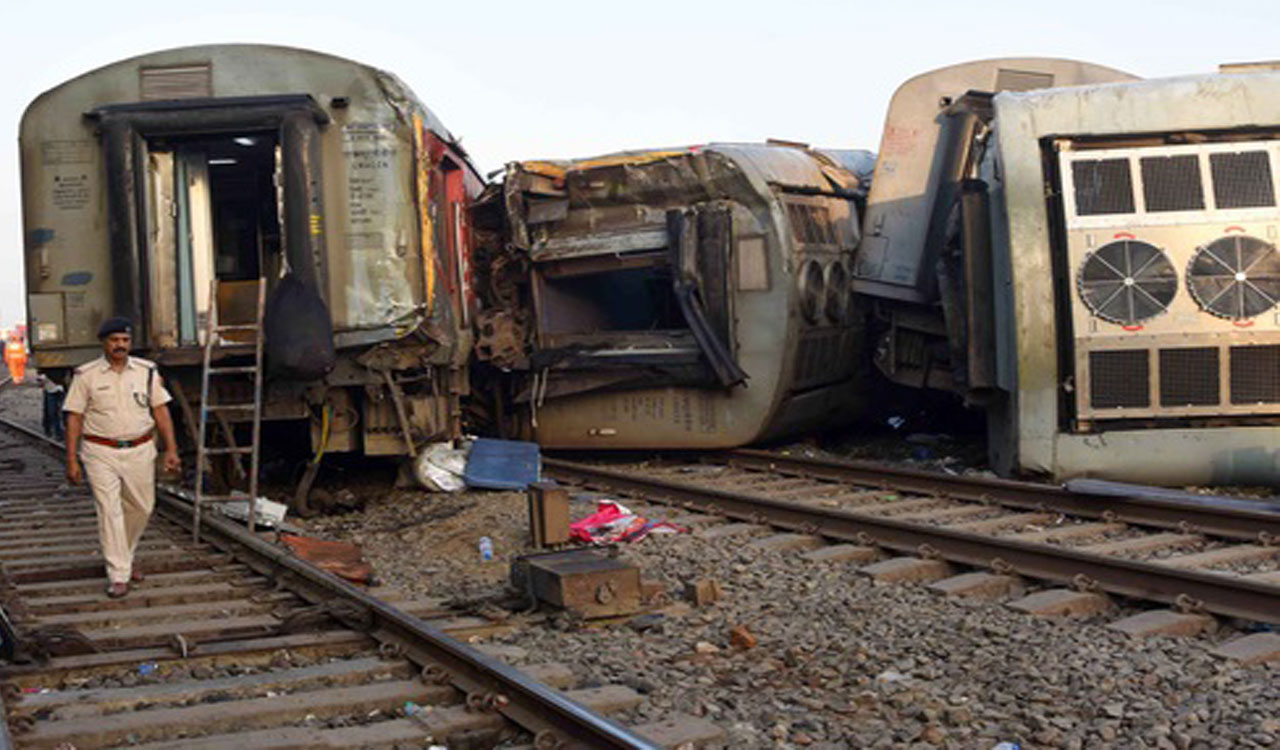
543 710
1232 596
1233 521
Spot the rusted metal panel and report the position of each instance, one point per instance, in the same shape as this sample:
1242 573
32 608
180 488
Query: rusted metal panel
587 582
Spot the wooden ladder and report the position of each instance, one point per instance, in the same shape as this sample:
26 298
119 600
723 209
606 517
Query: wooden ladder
216 411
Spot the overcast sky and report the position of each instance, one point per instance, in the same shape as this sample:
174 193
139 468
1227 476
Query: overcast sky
541 78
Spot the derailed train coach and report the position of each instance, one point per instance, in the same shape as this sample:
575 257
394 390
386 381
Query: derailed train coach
683 298
1091 259
148 180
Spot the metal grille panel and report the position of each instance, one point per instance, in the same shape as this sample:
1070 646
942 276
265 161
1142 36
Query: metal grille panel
1008 79
1120 379
177 82
1189 377
1102 186
1242 179
812 225
1255 374
1172 183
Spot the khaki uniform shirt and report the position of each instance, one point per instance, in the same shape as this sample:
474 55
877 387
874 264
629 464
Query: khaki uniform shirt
115 404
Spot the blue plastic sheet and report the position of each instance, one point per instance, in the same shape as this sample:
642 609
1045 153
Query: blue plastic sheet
502 464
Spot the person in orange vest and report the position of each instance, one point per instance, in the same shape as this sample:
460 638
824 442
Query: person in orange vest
15 356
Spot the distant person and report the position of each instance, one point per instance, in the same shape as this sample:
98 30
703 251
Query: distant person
115 403
54 395
15 356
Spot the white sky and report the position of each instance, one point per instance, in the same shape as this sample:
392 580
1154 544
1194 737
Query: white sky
558 78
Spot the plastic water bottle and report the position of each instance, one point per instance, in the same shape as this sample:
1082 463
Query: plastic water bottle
486 549
1008 746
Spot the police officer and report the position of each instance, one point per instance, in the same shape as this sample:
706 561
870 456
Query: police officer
115 403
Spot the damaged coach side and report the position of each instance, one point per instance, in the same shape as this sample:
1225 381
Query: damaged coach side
163 187
1089 258
684 298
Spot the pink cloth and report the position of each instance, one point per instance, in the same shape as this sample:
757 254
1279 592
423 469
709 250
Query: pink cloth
614 522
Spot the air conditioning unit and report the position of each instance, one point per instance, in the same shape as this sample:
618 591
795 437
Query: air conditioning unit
1175 273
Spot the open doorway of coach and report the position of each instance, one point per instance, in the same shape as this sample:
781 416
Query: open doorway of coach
212 189
217 196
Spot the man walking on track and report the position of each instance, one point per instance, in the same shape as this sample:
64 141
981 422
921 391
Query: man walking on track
115 403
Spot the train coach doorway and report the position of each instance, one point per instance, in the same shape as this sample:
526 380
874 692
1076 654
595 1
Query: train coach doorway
213 213
210 189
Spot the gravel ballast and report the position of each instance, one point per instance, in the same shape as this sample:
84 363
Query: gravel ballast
837 661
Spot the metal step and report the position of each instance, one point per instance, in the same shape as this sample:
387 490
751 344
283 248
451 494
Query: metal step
245 449
237 327
232 370
229 407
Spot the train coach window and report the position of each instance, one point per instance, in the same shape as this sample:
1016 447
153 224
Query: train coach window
634 299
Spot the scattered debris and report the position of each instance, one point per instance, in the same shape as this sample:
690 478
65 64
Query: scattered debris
440 466
585 582
742 638
703 591
647 621
548 514
267 513
340 558
653 591
502 464
614 522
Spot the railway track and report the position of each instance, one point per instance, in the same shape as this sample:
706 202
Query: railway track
235 642
1205 559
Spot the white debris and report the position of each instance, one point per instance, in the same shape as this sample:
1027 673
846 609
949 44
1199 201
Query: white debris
440 466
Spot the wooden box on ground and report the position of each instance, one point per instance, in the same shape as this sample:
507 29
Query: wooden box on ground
586 582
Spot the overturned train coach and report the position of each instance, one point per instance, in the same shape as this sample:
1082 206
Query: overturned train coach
687 298
1090 258
164 187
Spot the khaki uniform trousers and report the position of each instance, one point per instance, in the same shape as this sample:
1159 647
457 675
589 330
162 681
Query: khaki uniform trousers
123 481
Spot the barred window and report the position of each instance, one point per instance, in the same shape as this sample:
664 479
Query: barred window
1242 179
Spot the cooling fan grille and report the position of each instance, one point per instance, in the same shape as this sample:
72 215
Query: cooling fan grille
1235 277
1127 281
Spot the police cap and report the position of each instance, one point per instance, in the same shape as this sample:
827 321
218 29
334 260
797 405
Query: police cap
115 325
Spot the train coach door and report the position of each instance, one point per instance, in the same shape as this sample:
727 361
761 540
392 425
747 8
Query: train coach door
179 219
161 209
194 244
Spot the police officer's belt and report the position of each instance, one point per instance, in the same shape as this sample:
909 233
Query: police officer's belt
119 443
